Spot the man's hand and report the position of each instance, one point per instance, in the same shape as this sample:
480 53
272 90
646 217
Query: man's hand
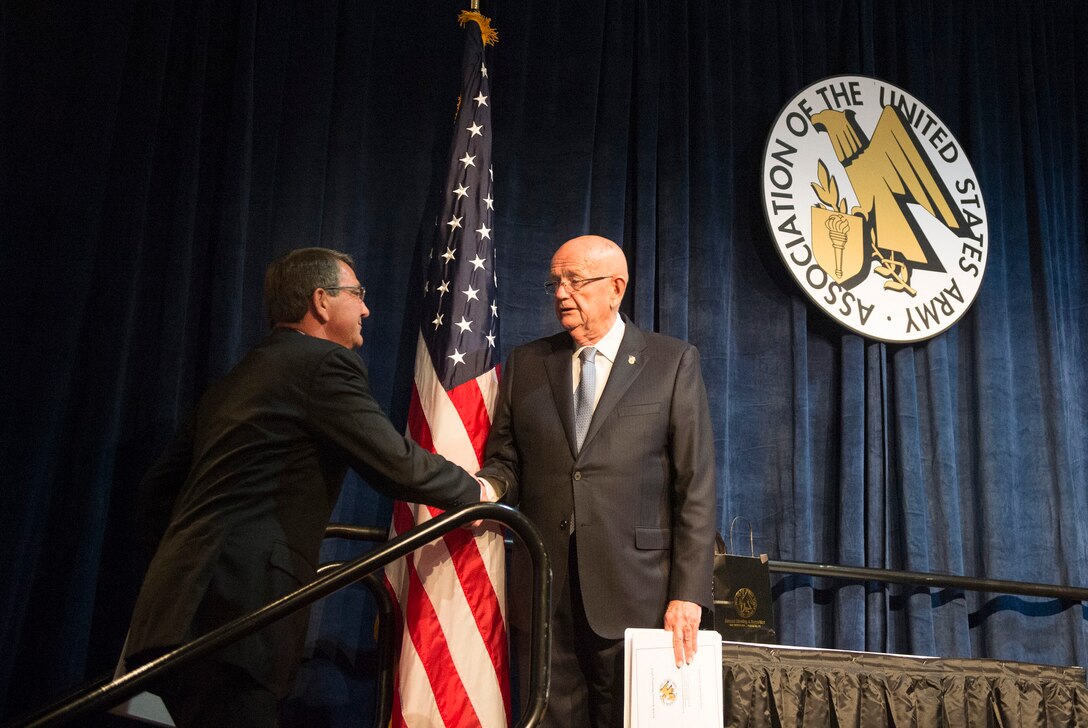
682 619
487 495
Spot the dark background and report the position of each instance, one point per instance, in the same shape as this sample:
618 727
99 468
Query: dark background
154 156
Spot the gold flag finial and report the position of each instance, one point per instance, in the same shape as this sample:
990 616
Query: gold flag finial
489 35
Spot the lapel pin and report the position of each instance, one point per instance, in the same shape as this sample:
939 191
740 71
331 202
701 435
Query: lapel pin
631 359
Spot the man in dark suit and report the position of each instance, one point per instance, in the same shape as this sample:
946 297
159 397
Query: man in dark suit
602 438
258 469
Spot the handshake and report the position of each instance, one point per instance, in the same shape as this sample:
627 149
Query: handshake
487 495
487 491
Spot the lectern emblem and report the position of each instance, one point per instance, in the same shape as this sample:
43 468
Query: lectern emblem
875 209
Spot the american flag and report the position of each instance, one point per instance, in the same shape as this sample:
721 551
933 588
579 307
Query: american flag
453 667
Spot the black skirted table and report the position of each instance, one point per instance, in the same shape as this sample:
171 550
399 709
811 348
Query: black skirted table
768 685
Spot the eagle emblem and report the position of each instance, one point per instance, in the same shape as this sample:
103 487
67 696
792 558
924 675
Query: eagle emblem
886 172
875 209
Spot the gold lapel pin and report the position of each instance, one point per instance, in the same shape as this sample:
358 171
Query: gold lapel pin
631 359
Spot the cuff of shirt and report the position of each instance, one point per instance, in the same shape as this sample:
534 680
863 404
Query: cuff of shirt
487 490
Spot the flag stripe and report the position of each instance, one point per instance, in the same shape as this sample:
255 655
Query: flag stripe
434 652
417 423
394 576
447 431
489 389
466 610
468 400
415 706
447 591
480 593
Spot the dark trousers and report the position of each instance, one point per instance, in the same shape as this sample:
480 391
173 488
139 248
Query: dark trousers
586 669
212 694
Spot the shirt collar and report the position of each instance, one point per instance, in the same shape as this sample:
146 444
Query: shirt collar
609 344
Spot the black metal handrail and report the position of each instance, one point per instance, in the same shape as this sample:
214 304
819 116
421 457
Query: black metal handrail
540 636
383 704
376 534
931 580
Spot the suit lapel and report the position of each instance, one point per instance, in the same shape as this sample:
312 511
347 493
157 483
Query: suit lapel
625 370
558 366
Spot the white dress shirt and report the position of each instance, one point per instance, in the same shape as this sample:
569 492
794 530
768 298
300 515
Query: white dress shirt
607 348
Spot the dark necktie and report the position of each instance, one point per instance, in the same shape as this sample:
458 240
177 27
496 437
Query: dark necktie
583 398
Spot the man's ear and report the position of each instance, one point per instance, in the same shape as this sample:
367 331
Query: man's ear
619 286
319 305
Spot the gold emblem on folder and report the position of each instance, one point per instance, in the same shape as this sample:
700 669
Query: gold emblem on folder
667 692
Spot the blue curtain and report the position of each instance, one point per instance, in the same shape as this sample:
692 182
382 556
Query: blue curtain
154 156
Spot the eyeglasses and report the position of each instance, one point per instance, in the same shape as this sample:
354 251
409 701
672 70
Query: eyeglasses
572 285
359 291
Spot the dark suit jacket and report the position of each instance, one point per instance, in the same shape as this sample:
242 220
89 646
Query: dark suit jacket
259 468
641 488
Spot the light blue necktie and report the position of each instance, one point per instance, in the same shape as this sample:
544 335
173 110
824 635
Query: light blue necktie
583 398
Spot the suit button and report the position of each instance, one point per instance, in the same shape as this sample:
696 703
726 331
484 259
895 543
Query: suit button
564 525
577 474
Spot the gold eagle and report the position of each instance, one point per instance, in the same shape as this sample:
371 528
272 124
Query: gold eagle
887 173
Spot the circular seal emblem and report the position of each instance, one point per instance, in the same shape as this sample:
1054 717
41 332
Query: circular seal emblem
875 209
744 601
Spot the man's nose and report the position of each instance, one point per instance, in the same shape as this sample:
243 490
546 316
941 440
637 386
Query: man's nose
366 311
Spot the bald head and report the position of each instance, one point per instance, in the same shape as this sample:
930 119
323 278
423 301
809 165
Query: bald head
592 272
598 254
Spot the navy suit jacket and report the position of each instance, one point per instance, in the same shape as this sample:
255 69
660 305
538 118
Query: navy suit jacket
259 468
641 489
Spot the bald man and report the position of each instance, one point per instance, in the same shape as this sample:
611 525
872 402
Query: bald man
602 438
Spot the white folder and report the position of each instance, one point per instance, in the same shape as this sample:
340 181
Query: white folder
658 694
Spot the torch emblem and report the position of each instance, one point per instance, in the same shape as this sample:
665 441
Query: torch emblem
837 235
837 243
